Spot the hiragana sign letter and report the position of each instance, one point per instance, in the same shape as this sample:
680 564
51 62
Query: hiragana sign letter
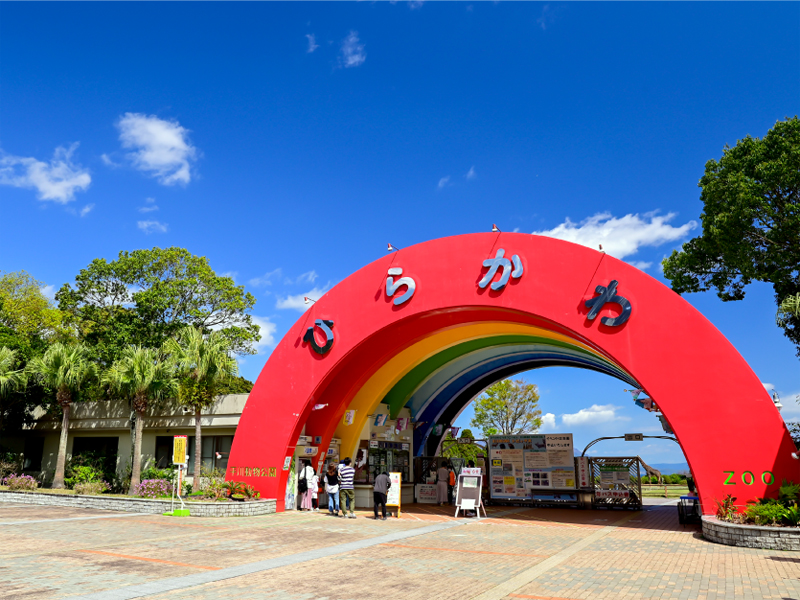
609 294
499 262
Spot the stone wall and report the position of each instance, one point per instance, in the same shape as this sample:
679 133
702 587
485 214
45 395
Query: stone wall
751 536
141 505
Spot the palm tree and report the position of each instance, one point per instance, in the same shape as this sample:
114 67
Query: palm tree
10 380
202 363
65 369
144 376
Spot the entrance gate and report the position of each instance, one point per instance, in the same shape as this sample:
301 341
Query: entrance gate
617 482
425 329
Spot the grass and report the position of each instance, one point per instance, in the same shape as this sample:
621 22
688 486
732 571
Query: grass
66 492
657 491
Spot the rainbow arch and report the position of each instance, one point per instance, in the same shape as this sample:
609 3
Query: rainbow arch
433 353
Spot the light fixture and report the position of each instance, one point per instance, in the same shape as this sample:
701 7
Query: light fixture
392 248
495 228
601 248
307 300
777 400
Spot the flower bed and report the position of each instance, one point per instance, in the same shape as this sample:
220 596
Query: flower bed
751 536
68 498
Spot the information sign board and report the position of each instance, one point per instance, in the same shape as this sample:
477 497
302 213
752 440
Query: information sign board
426 493
179 444
584 474
522 465
634 437
468 490
393 496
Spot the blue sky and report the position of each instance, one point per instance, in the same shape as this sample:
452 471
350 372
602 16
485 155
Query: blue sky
289 143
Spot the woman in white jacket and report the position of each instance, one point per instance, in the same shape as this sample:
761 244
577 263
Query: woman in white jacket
304 485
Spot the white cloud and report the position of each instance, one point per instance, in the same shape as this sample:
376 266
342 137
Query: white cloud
231 274
149 206
267 331
596 413
267 278
547 17
640 264
415 4
107 161
160 148
622 236
471 174
152 226
353 53
548 423
297 302
49 291
312 43
86 210
768 386
307 277
57 180
443 182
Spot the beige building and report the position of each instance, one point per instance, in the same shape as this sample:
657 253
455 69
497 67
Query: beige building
105 429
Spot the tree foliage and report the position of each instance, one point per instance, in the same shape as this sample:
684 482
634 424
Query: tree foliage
508 407
143 376
145 296
751 223
65 369
25 310
463 450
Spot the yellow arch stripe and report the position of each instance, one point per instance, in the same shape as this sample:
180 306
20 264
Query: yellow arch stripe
375 389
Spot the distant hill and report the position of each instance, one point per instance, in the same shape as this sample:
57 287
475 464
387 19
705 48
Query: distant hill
670 468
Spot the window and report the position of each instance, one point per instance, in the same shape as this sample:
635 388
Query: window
216 450
99 447
34 450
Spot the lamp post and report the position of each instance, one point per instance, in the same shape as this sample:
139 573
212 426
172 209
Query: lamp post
777 400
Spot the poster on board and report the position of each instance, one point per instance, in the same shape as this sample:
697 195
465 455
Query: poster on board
393 495
522 465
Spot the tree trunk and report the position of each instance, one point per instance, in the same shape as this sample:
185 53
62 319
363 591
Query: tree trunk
58 478
139 406
198 448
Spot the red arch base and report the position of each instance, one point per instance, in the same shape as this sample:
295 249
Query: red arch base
733 437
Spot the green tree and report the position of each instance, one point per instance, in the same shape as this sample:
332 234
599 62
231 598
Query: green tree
508 407
751 223
25 310
203 363
145 296
463 449
12 379
144 376
64 369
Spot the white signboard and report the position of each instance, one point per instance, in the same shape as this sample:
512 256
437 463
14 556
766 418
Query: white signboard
612 494
426 493
584 477
393 495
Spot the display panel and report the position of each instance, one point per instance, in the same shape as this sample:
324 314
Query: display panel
522 465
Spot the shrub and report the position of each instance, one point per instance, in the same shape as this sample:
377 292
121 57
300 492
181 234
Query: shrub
726 509
765 514
10 463
788 493
80 474
92 488
793 515
153 488
169 474
20 482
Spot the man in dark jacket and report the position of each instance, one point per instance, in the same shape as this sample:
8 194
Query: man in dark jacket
382 485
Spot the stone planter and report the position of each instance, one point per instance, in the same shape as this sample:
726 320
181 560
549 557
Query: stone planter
141 505
751 536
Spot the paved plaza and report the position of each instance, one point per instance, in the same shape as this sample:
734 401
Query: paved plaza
556 554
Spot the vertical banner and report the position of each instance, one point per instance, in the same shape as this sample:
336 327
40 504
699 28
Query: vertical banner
584 479
349 417
179 444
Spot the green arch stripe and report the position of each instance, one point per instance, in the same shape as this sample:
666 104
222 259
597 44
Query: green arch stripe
397 397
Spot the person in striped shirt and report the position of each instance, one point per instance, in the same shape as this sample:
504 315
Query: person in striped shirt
347 494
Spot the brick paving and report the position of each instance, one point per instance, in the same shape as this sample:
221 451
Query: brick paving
557 554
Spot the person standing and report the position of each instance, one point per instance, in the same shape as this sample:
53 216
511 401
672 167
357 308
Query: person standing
347 494
442 481
382 485
313 487
332 489
304 485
